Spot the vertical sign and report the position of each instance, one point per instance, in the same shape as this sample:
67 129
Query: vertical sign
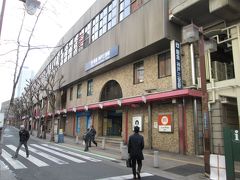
178 65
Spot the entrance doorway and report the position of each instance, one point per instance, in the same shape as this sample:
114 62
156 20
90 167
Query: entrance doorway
112 123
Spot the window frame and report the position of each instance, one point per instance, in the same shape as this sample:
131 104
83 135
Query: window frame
164 59
71 94
79 90
138 72
90 87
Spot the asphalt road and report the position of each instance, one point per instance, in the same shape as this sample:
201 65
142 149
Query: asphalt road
51 162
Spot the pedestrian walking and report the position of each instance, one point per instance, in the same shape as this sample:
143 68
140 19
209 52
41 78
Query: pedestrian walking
92 136
23 138
135 148
86 138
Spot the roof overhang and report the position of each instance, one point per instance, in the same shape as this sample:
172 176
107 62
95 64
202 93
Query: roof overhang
159 96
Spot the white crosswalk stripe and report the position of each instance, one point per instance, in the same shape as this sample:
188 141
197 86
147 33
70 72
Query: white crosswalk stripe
59 154
130 176
72 153
47 156
14 163
31 158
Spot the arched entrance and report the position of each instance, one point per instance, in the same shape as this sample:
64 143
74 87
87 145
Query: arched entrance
112 117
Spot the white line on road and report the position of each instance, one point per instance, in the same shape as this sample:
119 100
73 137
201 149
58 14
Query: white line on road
98 155
72 153
125 177
14 163
59 154
32 159
47 156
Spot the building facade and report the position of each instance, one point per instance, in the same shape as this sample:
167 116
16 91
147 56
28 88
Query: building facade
138 62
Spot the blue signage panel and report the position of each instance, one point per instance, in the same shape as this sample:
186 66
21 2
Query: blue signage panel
102 58
178 65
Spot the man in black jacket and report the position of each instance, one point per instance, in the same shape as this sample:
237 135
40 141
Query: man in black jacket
92 137
23 138
135 148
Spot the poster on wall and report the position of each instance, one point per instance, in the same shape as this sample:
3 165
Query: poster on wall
165 123
137 121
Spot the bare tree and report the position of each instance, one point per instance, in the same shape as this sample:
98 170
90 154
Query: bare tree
18 110
50 83
19 63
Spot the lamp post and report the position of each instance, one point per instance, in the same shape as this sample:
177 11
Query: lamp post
2 14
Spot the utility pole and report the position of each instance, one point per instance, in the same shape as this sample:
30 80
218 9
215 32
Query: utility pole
2 14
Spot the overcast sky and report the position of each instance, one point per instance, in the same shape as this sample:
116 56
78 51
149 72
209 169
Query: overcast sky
56 19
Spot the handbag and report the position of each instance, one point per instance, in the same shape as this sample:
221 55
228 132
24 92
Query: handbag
129 163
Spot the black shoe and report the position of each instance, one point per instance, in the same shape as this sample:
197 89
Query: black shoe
14 157
134 177
27 155
138 175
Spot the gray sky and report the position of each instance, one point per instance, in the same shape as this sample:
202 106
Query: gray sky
56 19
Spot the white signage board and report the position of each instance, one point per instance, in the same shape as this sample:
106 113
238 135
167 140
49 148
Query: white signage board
137 121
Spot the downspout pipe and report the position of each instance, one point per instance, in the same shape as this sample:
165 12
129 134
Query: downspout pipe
195 113
150 125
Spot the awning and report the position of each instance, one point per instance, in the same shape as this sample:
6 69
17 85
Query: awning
159 96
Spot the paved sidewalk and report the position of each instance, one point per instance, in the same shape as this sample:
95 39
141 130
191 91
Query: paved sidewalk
172 166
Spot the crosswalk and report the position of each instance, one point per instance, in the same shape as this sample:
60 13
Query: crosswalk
48 153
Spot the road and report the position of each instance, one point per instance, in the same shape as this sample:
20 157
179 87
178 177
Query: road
48 161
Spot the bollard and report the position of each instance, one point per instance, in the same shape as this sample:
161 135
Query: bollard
103 143
156 159
124 153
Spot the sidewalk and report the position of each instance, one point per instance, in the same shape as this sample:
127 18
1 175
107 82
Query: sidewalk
172 166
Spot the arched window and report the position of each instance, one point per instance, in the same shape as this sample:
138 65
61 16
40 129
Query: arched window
111 90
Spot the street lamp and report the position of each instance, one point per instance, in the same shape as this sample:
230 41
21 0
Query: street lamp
31 6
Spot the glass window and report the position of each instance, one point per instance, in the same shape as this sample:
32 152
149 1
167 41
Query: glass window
95 28
138 72
79 90
75 41
71 93
112 14
70 49
80 40
126 7
90 87
164 65
86 37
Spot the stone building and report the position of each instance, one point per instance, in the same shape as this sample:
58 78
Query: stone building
143 62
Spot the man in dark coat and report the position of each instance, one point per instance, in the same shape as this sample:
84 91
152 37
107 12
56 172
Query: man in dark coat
23 138
135 148
92 137
86 138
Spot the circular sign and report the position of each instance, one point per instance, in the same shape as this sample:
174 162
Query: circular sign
164 120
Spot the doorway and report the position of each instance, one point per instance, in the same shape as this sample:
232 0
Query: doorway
112 123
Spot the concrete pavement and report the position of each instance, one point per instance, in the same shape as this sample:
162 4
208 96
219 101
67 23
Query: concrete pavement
172 166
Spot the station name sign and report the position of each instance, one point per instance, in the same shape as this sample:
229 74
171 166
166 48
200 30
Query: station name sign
102 58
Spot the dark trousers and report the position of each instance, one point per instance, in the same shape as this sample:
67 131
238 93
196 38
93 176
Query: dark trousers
92 140
86 144
19 146
139 162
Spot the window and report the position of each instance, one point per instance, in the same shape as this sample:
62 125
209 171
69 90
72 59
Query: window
71 93
95 28
164 65
79 90
80 40
86 38
138 72
103 21
89 87
75 45
124 9
70 49
112 14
